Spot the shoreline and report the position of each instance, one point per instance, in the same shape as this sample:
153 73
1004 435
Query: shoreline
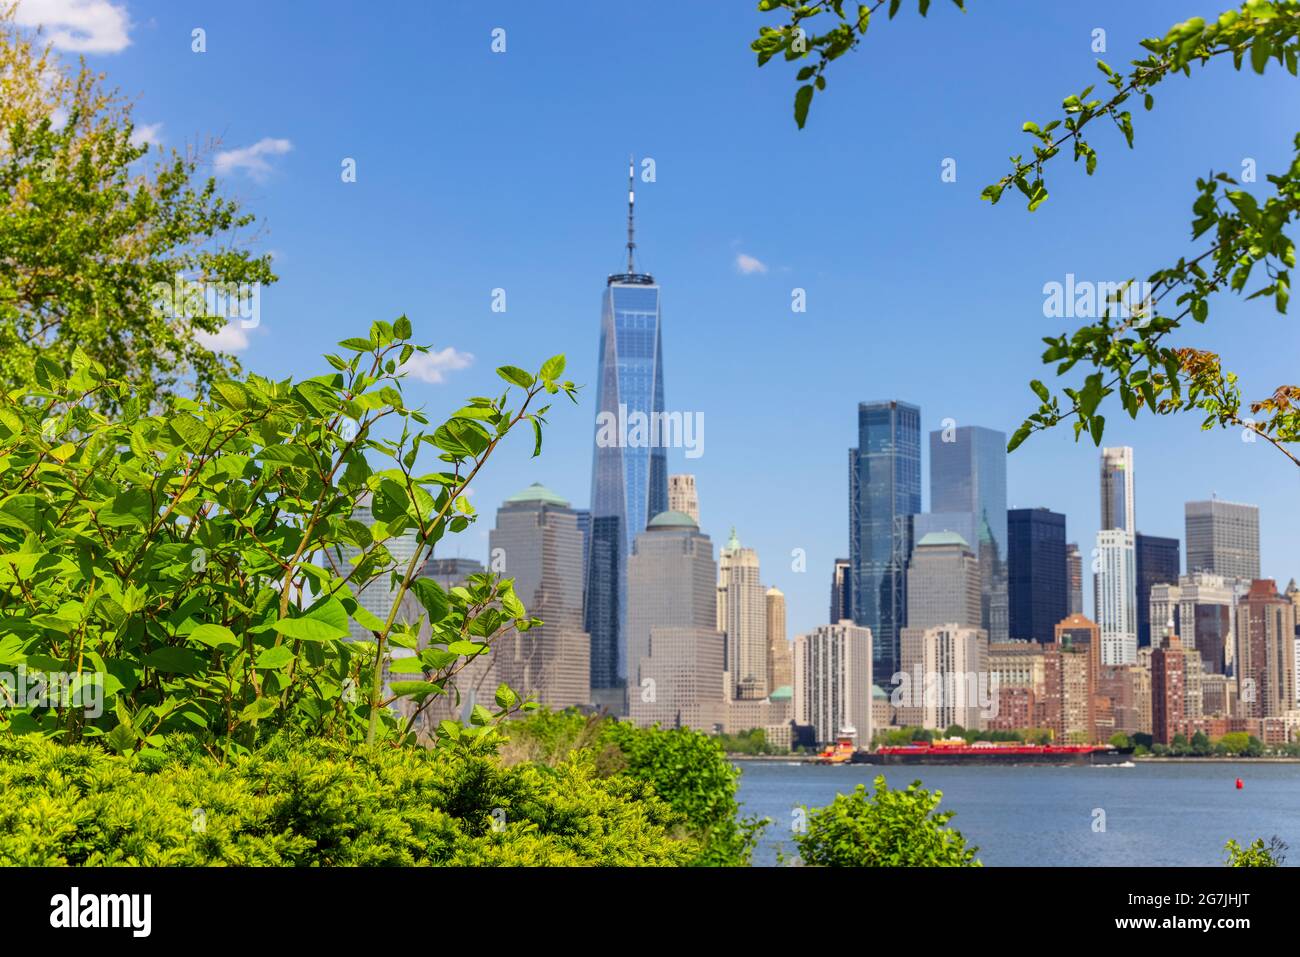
1146 758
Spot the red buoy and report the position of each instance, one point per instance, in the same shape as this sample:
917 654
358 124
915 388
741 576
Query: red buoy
1239 784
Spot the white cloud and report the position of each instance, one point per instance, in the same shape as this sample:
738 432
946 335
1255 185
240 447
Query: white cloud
252 159
78 26
433 366
147 134
231 338
747 265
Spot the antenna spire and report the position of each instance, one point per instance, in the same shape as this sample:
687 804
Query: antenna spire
631 203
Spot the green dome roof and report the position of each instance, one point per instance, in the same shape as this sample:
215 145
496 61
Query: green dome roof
537 492
672 520
878 693
942 538
783 693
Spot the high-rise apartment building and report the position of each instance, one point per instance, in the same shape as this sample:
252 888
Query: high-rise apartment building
968 495
1266 677
1071 667
682 496
832 681
1116 596
1168 689
677 678
884 493
946 678
1038 587
537 541
1222 538
742 617
780 666
1156 563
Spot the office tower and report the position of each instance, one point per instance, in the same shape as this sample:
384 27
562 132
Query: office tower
682 496
946 678
1117 504
884 492
1071 666
968 495
832 681
1038 586
377 595
1074 573
629 473
780 667
1156 563
678 654
450 573
742 617
943 583
1116 596
1168 689
842 591
537 541
1293 595
1201 608
1266 675
1223 538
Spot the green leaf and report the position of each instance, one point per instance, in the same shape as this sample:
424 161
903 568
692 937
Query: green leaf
553 368
215 636
258 709
176 661
802 100
326 621
432 597
480 716
516 375
415 689
275 658
402 327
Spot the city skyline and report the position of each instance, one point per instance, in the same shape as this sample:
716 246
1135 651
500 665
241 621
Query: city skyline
548 230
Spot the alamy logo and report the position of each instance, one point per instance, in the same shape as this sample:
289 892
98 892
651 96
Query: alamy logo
653 430
192 299
1084 299
72 910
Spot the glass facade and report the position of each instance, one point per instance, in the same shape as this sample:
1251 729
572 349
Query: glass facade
968 495
1038 574
1158 561
884 494
629 482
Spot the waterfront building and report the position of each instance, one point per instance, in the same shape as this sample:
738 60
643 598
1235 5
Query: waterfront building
1266 676
1038 585
832 681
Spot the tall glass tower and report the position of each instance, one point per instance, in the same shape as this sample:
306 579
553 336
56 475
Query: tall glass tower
629 475
884 494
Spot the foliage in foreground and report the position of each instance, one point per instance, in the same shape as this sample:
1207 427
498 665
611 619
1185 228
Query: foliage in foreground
686 768
1259 854
323 804
890 828
199 569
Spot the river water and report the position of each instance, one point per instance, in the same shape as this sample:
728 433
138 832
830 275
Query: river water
1155 813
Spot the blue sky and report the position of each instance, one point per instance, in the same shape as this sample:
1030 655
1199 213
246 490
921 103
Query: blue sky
478 170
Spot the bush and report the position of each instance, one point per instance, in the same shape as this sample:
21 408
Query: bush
687 769
317 803
892 828
1259 854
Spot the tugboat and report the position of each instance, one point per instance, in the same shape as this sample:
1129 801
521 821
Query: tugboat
842 751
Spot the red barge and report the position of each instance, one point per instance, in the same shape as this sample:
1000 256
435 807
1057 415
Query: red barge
990 752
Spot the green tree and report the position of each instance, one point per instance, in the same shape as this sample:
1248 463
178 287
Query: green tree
889 828
189 565
1121 740
93 226
1200 744
1129 353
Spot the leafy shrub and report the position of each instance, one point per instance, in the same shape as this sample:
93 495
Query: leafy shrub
322 804
1259 854
193 564
687 769
891 828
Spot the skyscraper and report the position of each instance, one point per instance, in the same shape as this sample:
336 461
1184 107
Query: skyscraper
377 595
1168 688
943 583
676 651
742 617
629 476
832 681
1116 598
968 495
1038 588
682 496
780 666
1223 538
1117 505
884 492
1201 606
1157 563
1074 574
1266 648
538 541
841 591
